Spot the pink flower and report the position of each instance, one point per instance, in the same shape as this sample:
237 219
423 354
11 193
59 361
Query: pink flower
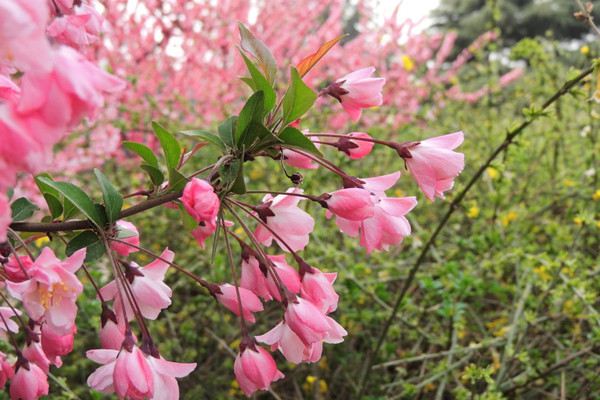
50 293
112 330
7 313
35 354
307 321
356 149
317 287
127 232
259 279
79 29
126 372
295 159
354 204
102 378
200 200
22 37
8 89
5 215
388 225
6 370
204 230
57 345
16 271
29 382
148 287
250 303
255 369
434 164
74 89
282 215
282 338
286 274
357 90
164 373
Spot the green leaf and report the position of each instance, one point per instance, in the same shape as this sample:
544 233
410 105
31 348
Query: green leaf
253 111
169 144
292 137
143 151
239 185
259 51
22 209
298 99
257 130
89 240
156 176
206 136
178 181
78 198
233 176
54 205
261 83
112 199
250 82
226 130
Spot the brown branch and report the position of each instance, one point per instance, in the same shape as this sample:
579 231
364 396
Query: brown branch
81 224
510 137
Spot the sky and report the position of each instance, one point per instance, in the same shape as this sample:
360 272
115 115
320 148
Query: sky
413 9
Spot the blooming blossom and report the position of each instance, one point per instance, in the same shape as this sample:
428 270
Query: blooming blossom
356 149
6 370
81 28
255 369
317 287
283 338
282 215
16 270
357 90
147 284
50 293
164 374
434 164
227 295
127 232
388 225
54 345
7 313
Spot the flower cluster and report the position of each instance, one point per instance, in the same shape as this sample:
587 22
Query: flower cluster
59 88
46 86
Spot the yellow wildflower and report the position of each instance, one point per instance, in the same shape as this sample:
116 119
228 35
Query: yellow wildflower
399 193
578 221
323 386
492 172
473 212
508 218
407 63
569 182
596 195
585 50
542 273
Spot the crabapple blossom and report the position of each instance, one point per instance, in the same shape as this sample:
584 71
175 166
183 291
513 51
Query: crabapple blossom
57 345
50 293
433 163
78 29
354 204
6 370
388 225
282 338
16 271
29 382
5 218
127 232
290 225
317 287
112 329
23 41
307 321
227 295
164 374
35 354
357 90
200 200
7 325
359 148
147 284
8 89
298 160
203 231
255 369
